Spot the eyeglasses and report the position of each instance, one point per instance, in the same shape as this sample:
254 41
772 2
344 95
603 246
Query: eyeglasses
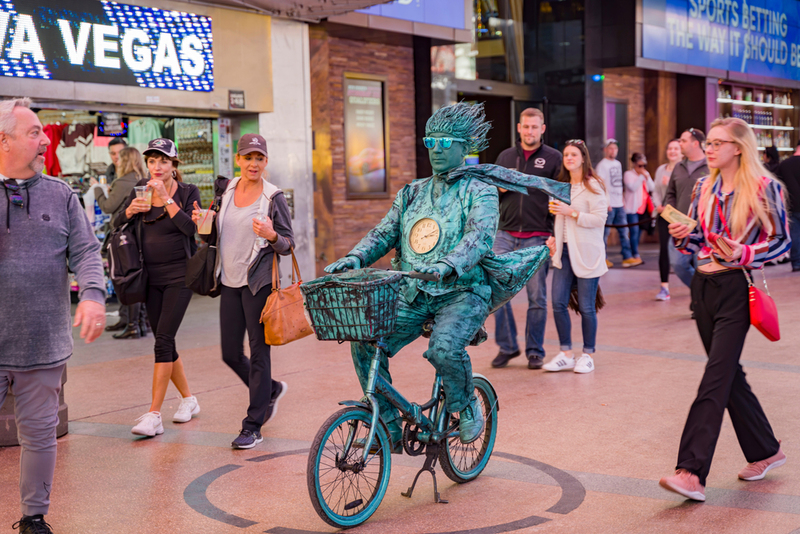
716 144
15 197
575 142
444 142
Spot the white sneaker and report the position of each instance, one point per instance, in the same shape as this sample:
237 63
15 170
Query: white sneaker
585 364
149 425
560 363
186 410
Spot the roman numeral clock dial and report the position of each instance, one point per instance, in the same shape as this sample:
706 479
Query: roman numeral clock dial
424 236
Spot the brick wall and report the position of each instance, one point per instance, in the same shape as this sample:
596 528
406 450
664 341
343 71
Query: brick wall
628 84
352 219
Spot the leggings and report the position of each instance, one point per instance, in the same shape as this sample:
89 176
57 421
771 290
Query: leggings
721 306
663 248
240 312
166 306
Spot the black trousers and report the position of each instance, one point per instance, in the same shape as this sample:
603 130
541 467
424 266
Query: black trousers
722 312
663 248
240 312
166 306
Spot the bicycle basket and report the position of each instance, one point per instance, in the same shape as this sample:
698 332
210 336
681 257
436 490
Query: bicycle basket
359 305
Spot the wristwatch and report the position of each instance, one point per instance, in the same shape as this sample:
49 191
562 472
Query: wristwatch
169 201
574 214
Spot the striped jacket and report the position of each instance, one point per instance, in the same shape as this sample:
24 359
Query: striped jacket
760 246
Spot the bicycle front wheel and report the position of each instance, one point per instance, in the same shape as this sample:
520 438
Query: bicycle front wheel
463 462
346 490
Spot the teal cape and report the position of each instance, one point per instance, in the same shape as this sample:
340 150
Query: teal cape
513 180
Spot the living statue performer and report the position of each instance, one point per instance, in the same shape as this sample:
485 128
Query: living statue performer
446 224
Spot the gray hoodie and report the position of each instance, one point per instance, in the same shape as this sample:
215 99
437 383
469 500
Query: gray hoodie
37 241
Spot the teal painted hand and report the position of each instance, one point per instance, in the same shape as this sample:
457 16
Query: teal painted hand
344 264
440 269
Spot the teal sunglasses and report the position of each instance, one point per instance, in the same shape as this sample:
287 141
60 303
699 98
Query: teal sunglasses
444 142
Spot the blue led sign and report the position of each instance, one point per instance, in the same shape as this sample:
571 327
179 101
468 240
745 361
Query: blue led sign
449 13
106 42
759 37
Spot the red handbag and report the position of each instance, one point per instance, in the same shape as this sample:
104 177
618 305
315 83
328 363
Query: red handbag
763 312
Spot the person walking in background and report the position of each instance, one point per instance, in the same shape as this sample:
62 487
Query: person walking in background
167 243
771 159
637 184
741 205
131 171
526 222
679 193
254 224
663 173
578 254
609 170
115 147
789 172
46 230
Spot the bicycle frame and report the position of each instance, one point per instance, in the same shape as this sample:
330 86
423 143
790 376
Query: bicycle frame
376 384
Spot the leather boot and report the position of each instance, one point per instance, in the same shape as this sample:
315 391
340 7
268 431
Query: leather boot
119 325
131 331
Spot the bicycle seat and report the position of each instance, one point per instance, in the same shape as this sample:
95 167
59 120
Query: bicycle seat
480 336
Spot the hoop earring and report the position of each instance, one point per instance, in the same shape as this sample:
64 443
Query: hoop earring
174 174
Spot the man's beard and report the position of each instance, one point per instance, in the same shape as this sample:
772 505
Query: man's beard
37 165
534 141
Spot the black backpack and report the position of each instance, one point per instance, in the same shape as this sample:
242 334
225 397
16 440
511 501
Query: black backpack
201 268
126 263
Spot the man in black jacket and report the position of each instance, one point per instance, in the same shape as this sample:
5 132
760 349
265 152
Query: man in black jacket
789 172
526 222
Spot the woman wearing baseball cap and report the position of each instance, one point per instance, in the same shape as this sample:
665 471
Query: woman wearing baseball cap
253 224
167 242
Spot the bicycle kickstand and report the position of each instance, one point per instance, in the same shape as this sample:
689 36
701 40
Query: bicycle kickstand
431 455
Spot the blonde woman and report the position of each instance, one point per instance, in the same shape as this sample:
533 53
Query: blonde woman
579 256
130 169
663 174
742 205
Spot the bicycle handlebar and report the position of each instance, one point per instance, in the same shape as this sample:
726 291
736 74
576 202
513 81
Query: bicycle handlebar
430 277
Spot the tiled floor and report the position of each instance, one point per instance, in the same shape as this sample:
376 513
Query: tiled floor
575 453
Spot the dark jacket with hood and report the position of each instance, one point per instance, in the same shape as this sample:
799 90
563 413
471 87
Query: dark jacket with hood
528 213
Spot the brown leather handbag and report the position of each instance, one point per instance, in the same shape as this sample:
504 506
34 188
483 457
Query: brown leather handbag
283 315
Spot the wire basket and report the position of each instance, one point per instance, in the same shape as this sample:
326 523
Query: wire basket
358 305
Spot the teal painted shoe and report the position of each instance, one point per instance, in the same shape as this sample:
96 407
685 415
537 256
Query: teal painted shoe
471 422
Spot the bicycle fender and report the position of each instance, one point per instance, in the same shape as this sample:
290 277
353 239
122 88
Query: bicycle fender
497 402
363 406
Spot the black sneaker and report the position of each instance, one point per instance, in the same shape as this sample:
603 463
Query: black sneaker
33 524
535 362
277 395
247 440
502 358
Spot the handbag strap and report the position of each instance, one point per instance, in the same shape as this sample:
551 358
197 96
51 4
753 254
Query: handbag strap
276 280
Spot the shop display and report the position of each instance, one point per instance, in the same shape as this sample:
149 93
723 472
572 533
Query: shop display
195 141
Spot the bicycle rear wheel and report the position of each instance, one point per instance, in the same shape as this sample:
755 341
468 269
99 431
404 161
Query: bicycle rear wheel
463 462
345 490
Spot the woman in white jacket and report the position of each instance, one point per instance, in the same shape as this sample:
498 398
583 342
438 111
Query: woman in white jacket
579 257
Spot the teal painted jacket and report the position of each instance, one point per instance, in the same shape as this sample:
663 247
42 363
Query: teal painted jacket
467 211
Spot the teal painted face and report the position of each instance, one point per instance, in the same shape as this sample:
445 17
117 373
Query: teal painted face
446 159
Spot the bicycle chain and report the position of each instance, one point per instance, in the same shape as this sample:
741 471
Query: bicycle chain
411 444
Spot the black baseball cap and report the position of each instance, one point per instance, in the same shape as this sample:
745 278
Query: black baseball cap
164 146
252 143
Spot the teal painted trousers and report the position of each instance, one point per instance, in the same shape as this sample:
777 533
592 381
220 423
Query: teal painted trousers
458 317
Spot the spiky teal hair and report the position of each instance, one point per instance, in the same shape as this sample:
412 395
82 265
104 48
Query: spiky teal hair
462 120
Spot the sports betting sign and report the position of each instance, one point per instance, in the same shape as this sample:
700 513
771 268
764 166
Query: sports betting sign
106 42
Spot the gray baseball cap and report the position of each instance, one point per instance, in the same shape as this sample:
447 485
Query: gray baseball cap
610 142
164 146
252 143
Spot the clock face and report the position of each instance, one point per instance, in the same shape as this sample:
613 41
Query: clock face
424 236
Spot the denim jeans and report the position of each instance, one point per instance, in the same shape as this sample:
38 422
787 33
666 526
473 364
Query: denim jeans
794 232
505 332
563 281
682 264
617 216
635 232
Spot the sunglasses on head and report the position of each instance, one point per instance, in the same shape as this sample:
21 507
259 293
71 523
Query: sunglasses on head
575 142
15 197
444 142
697 135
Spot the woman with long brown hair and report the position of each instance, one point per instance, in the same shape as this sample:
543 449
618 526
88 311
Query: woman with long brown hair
741 206
579 256
167 242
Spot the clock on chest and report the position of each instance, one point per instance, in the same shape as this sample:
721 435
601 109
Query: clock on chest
424 235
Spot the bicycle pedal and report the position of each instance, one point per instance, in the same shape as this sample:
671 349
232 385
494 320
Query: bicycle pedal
354 504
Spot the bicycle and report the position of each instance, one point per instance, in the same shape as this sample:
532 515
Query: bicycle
350 459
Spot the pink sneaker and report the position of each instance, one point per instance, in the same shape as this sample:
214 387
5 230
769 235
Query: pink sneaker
686 484
758 470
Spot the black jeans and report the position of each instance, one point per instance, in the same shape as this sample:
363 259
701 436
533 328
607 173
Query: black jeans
722 311
240 311
166 306
663 248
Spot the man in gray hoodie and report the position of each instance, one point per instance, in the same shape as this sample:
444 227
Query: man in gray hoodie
45 230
